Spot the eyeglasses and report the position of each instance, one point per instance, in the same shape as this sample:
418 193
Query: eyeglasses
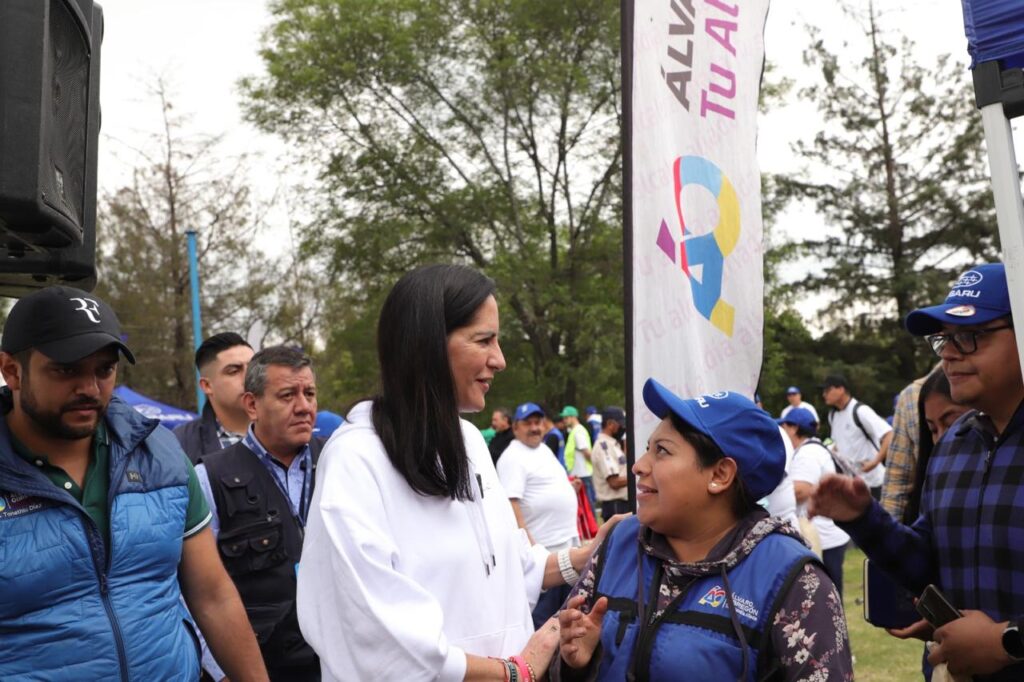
964 341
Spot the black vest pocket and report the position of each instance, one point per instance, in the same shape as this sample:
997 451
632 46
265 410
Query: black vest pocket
254 547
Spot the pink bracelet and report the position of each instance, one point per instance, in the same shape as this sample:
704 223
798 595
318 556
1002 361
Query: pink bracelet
524 668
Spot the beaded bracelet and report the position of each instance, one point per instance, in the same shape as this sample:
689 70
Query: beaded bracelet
524 669
565 567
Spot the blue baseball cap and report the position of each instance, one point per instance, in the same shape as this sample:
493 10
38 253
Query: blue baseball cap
979 295
801 417
740 428
526 410
793 389
326 423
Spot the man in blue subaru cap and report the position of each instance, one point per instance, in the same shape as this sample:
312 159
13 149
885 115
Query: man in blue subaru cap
969 538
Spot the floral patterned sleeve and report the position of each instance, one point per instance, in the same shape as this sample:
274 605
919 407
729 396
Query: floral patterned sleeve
586 585
808 635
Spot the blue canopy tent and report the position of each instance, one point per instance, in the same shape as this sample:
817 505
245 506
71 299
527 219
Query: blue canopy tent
995 37
168 416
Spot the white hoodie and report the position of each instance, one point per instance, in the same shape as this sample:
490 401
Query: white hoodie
394 585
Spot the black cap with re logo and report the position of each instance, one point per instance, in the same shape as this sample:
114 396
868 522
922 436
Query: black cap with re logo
64 324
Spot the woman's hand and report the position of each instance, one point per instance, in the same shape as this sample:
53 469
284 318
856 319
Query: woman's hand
541 648
580 632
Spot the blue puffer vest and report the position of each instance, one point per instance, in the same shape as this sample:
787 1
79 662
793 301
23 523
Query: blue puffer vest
72 608
700 635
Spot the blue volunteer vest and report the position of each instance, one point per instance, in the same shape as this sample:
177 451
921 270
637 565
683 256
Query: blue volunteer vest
698 636
66 610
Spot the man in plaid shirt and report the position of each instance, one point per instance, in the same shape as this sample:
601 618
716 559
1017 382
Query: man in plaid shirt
969 538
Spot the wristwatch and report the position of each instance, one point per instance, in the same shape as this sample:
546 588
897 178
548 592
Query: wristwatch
1013 641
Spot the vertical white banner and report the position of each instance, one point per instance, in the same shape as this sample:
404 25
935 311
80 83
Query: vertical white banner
695 198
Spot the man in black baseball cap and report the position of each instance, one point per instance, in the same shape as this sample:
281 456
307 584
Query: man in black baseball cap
108 512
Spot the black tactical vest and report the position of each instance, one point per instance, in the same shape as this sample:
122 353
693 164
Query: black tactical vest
260 543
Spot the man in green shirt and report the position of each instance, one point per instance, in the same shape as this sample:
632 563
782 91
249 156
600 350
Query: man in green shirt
103 513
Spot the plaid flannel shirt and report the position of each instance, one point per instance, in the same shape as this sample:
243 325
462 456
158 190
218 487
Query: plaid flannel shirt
969 539
901 460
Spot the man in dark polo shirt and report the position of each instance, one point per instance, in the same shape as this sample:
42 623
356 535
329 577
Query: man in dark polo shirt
101 515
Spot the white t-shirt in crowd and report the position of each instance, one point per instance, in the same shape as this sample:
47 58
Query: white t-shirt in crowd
853 445
807 406
811 461
394 585
781 502
546 498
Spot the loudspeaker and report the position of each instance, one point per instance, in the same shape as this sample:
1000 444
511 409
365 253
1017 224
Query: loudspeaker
49 131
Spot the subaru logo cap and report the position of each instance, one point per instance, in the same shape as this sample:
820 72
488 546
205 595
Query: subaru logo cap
64 324
802 417
740 428
526 410
979 295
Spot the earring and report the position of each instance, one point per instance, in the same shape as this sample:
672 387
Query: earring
714 485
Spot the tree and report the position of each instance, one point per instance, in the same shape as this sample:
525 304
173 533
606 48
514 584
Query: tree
180 184
484 132
898 174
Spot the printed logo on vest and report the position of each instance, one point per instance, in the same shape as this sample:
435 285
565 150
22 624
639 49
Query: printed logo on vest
714 597
745 608
13 505
135 477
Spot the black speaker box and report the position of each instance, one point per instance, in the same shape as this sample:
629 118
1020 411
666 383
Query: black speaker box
49 131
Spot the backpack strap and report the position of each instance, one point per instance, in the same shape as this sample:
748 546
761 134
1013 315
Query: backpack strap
860 425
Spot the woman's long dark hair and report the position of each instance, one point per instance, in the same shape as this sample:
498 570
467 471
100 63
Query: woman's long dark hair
416 414
936 383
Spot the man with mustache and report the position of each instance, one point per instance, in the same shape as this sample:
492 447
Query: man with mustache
542 498
101 515
259 491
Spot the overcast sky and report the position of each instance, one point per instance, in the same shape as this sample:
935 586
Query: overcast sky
202 47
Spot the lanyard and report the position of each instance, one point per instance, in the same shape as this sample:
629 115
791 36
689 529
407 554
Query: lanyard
280 475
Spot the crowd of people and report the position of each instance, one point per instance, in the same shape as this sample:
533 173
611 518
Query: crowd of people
412 546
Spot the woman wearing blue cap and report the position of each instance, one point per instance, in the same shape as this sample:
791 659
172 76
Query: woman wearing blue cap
702 583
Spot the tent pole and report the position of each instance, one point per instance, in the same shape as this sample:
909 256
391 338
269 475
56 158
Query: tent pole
1009 208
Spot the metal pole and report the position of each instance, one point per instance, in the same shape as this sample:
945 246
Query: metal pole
197 323
1009 209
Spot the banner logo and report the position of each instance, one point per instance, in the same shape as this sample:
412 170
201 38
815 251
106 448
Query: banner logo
706 251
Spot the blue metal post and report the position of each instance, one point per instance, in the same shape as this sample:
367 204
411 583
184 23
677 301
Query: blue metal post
197 323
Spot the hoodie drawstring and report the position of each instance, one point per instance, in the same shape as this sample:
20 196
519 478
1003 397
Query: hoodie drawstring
736 625
478 521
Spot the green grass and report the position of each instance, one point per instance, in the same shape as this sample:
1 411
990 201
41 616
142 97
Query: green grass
878 656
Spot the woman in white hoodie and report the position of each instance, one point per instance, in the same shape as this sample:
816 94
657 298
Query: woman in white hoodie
413 566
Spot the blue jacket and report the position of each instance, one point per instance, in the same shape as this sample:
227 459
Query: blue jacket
718 628
73 608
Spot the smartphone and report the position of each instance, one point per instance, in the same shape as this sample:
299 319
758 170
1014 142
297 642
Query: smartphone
935 608
886 603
